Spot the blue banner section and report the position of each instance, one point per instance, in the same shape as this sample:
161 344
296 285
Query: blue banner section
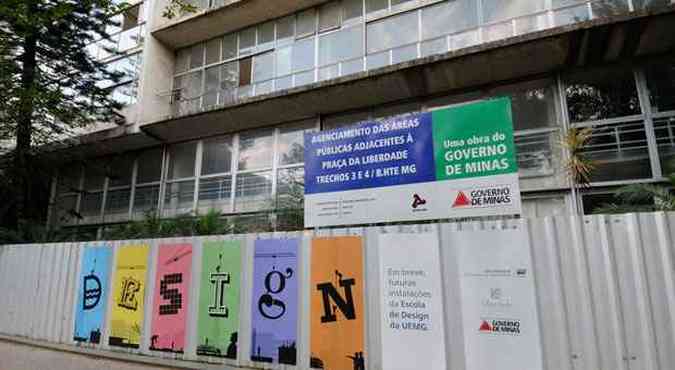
396 151
93 284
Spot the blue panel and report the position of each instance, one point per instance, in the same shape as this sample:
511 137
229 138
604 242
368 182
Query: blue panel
93 284
396 151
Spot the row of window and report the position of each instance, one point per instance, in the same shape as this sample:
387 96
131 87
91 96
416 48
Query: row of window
336 39
631 110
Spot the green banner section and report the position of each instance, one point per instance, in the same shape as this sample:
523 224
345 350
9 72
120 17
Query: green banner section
218 320
474 140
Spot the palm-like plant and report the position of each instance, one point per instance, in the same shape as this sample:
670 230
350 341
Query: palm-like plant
642 198
578 167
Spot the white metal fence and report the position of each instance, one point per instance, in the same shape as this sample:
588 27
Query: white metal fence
605 290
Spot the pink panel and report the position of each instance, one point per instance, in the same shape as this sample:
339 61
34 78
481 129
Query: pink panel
169 312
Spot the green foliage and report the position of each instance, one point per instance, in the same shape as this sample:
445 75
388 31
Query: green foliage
578 167
177 7
151 226
642 198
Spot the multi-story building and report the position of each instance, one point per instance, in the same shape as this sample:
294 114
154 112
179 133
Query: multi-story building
218 100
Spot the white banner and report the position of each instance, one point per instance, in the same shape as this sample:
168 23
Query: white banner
499 309
412 303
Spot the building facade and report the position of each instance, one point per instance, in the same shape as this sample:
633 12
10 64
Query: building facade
217 101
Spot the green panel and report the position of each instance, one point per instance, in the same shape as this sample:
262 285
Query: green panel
218 320
474 140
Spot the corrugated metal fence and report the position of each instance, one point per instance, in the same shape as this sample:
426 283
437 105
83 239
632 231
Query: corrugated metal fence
605 290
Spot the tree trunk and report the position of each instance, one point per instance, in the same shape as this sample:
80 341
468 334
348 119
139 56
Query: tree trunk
24 130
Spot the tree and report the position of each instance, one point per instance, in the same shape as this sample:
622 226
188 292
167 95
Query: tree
642 198
49 85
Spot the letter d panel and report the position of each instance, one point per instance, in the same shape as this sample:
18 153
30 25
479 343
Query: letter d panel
91 295
336 289
218 316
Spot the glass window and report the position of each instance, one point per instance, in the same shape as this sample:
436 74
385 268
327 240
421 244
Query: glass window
64 208
594 94
353 66
283 60
291 188
182 58
619 152
448 17
329 16
245 71
664 129
576 14
399 3
326 73
650 4
404 53
215 192
303 78
432 47
255 150
263 67
69 178
229 46
534 154
608 8
94 177
192 85
532 104
306 23
303 55
285 30
212 51
392 32
253 191
179 197
91 203
661 85
497 10
211 86
117 201
229 77
341 45
197 56
291 145
119 170
146 198
246 41
373 6
217 155
149 166
352 11
265 35
182 160
378 60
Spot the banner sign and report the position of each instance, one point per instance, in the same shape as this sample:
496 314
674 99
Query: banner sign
499 307
172 281
454 162
336 315
92 293
412 302
128 296
218 316
274 307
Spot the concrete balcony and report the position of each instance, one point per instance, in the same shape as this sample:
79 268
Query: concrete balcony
212 22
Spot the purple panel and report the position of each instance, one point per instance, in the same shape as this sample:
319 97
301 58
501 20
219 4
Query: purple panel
275 301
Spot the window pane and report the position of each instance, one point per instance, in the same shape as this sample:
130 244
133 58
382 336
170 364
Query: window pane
608 8
397 3
266 35
392 32
120 170
290 188
263 67
229 46
179 197
246 41
145 198
192 85
91 204
532 104
253 191
376 5
245 71
94 176
285 30
497 10
229 76
64 209
211 86
571 15
215 192
283 83
378 60
69 178
341 45
217 155
197 56
534 154
303 55
326 73
664 129
329 16
601 93
149 166
212 51
284 60
303 78
352 11
117 201
404 53
432 47
353 66
619 152
255 150
182 160
449 17
650 4
291 142
661 84
306 23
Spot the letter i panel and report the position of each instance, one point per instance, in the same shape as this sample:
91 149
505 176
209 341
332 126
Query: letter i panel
218 311
336 289
274 307
93 284
174 264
